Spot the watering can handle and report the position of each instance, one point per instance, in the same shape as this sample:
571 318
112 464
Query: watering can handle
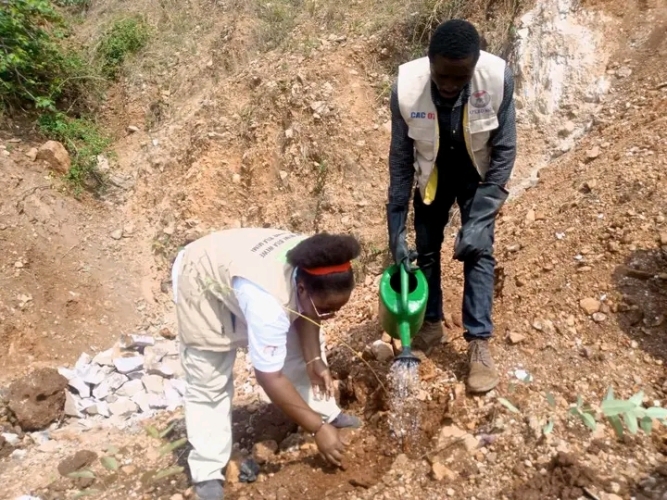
405 283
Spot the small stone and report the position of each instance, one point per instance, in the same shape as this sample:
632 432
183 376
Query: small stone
132 129
599 317
236 178
32 154
136 341
593 153
663 238
128 364
76 462
530 216
82 363
382 351
131 388
104 358
109 385
117 234
99 408
141 399
72 406
386 338
590 305
94 375
634 344
162 370
154 384
176 496
18 454
123 407
10 438
264 451
283 175
81 387
516 338
168 334
55 154
441 472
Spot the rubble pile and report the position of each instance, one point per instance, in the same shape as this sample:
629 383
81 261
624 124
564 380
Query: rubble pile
137 375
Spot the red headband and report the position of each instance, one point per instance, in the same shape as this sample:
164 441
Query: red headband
321 271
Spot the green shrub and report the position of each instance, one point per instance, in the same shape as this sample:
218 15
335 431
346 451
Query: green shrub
34 65
125 37
84 141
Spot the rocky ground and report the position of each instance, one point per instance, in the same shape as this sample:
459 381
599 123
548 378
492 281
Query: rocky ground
580 292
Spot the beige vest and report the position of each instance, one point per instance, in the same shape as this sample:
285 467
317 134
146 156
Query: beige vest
208 311
480 116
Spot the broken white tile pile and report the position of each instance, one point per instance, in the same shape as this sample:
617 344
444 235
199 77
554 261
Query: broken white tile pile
139 374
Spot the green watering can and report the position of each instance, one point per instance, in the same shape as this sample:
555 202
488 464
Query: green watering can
402 307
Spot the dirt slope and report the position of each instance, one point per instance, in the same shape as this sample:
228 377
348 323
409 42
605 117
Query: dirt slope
298 139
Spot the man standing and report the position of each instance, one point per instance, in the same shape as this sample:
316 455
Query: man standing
453 123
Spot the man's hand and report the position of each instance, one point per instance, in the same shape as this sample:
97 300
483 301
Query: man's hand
321 379
476 234
396 220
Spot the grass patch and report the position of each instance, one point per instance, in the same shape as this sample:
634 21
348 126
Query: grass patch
84 141
124 38
407 36
277 21
37 68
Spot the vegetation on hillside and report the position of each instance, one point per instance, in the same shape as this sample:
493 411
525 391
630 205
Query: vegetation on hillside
45 75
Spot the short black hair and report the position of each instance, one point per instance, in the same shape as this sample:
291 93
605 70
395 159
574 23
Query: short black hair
324 250
455 39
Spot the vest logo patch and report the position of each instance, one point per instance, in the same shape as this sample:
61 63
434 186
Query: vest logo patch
423 115
480 99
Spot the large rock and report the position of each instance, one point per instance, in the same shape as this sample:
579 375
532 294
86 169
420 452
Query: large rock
55 154
37 399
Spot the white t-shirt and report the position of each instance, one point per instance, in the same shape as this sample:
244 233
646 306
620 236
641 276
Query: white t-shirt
268 322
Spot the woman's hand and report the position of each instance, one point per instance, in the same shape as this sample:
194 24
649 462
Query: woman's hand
321 379
329 444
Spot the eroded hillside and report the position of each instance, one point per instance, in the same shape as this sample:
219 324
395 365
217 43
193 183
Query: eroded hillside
248 113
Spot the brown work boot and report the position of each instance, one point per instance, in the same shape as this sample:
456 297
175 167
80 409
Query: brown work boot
429 336
482 375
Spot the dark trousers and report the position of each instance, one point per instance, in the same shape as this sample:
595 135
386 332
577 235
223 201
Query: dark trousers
430 222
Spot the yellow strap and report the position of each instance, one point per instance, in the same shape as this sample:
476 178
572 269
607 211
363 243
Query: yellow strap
432 184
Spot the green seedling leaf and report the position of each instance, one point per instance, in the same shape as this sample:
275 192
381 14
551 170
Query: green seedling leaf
614 407
646 424
167 431
580 401
551 400
82 474
547 429
86 493
610 394
171 471
616 423
588 420
169 447
631 422
656 412
110 463
508 405
637 398
112 450
152 432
